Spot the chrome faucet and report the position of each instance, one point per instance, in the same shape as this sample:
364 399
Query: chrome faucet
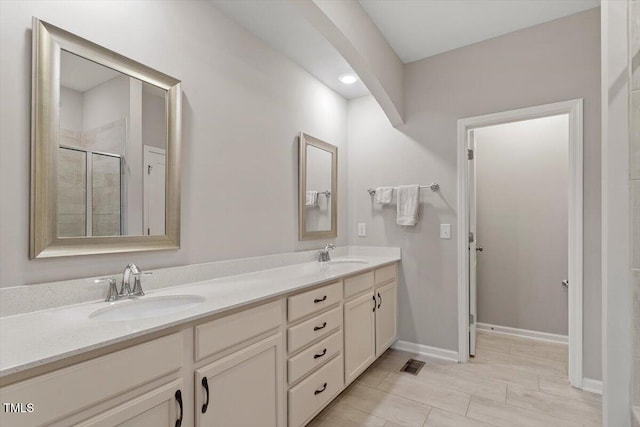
324 253
131 270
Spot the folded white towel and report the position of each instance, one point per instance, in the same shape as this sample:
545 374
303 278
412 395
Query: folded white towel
384 195
408 199
311 199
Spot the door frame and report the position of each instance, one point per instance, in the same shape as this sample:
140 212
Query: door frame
147 150
574 108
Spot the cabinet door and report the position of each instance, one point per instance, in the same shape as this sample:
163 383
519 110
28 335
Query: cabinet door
158 408
386 316
243 389
359 338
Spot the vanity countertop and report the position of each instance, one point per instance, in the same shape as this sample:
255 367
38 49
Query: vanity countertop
37 338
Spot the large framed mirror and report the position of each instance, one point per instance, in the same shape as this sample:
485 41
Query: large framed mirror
318 189
105 154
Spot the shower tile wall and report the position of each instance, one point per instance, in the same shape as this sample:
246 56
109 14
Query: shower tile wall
72 198
105 180
634 60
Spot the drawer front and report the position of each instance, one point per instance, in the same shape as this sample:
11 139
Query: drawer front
314 356
358 284
224 333
67 391
310 302
313 393
385 274
314 328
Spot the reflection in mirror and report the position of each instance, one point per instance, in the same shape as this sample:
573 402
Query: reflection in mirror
318 189
111 154
318 194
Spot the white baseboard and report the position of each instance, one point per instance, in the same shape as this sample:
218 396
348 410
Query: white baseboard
591 385
426 350
524 333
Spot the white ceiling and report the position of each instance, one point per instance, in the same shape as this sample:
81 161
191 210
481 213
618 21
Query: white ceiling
80 74
278 24
417 29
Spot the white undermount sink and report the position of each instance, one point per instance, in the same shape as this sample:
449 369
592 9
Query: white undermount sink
146 307
347 261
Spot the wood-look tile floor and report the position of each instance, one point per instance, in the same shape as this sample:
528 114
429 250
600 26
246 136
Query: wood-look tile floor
511 382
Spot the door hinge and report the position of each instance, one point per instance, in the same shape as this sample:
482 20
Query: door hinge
472 320
470 154
471 237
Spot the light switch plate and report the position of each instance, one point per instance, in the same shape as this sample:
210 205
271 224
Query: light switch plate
362 229
445 231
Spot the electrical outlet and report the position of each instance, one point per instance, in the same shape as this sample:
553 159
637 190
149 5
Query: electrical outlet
362 229
445 231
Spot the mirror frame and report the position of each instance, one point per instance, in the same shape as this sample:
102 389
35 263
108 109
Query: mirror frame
303 234
48 41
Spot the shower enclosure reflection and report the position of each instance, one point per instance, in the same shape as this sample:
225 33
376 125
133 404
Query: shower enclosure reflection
111 154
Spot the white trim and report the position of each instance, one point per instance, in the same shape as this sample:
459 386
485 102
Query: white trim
426 350
523 333
591 385
574 109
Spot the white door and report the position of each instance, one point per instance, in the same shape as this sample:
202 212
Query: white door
386 317
473 248
154 191
359 335
243 389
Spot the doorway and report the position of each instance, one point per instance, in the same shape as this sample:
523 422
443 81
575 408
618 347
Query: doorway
154 191
469 247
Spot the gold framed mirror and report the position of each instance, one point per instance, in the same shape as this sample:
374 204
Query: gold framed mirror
318 189
105 150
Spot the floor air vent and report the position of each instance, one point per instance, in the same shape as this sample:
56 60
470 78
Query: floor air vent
412 366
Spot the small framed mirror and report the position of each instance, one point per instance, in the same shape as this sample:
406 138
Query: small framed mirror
318 189
105 155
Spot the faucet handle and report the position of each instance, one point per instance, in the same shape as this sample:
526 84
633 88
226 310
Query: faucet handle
137 283
112 293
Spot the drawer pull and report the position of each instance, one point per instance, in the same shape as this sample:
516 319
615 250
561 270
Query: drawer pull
319 355
317 300
324 387
317 328
179 400
205 384
379 300
374 303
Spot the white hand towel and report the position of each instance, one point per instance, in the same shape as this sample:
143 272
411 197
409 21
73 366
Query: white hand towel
311 199
408 199
384 195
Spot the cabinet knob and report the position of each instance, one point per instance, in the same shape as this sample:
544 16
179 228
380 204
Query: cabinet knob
319 355
317 328
205 384
324 387
179 400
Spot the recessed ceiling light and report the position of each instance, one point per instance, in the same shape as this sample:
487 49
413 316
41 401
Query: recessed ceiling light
348 79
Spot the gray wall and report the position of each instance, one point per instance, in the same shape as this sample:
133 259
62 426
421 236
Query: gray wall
522 224
555 61
243 107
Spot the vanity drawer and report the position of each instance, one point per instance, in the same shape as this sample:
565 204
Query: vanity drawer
385 274
314 356
358 284
67 391
226 332
301 305
313 393
314 328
